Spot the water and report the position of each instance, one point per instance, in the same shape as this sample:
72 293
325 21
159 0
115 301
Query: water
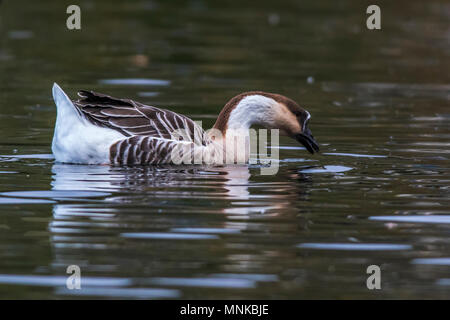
378 193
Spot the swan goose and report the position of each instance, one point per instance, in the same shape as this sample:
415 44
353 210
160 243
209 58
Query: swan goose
100 129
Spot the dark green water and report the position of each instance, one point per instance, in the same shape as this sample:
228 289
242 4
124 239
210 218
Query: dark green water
378 193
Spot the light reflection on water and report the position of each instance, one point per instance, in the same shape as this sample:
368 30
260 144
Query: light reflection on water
136 82
415 218
355 246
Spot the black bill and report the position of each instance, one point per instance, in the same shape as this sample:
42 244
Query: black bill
307 139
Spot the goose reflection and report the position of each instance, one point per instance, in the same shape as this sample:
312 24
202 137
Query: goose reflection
106 218
227 188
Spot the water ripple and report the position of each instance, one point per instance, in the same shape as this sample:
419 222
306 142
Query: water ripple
355 246
414 219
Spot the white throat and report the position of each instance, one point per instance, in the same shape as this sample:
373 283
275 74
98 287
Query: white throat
254 109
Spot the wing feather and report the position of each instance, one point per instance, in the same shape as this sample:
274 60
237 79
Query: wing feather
132 118
144 150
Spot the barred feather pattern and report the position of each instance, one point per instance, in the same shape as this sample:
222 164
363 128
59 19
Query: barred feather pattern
132 118
138 150
153 135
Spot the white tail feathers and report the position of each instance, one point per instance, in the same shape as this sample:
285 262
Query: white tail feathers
76 140
64 105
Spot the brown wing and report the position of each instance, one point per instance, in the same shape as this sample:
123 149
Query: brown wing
132 118
148 150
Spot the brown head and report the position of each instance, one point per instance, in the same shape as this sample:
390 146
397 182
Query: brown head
273 111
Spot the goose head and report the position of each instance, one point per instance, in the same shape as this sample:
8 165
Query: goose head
270 110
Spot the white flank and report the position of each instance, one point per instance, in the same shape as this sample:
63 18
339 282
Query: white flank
253 109
76 140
